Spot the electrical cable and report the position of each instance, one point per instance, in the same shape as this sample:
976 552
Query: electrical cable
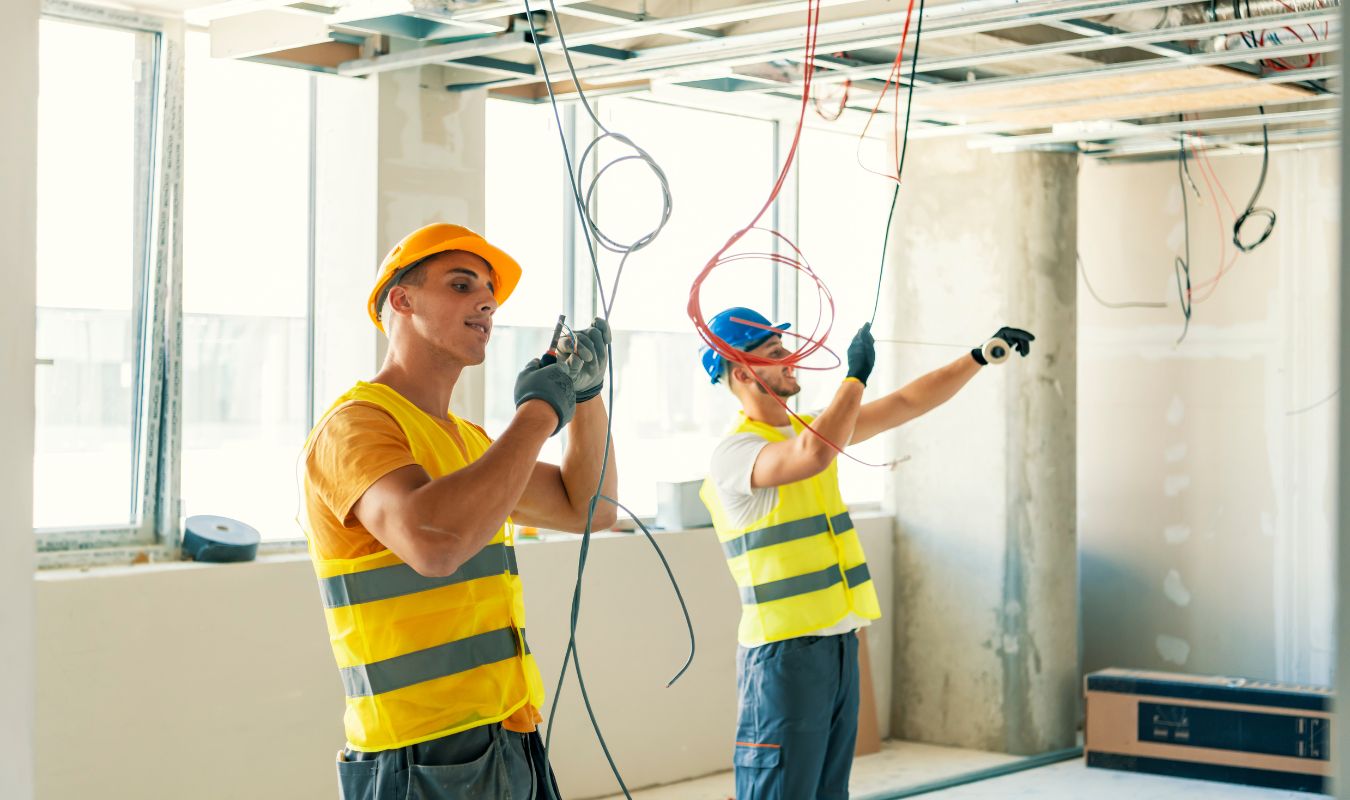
1182 265
843 103
595 238
1133 304
1252 209
1319 403
900 164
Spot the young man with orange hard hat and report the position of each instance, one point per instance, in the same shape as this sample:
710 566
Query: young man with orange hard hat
408 510
773 491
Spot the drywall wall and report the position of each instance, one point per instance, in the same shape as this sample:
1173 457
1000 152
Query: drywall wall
1206 469
216 681
986 637
18 227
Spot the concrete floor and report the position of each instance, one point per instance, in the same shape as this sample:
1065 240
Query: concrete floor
902 764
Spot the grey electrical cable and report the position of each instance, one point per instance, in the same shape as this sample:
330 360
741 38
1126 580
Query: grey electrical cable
595 238
1132 304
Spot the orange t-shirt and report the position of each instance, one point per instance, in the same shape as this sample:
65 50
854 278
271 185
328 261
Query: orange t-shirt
359 444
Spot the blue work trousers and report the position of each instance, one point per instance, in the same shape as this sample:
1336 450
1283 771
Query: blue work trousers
483 763
798 718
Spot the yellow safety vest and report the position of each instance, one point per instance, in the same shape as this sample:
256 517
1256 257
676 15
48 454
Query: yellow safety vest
422 657
800 567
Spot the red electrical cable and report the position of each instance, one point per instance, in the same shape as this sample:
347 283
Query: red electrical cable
1207 172
893 79
814 341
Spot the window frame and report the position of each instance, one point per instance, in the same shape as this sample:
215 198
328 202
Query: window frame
157 166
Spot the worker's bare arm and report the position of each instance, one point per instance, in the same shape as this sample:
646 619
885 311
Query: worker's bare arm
803 456
559 498
914 399
437 525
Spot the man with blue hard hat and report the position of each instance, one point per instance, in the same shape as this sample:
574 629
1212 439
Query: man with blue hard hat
773 491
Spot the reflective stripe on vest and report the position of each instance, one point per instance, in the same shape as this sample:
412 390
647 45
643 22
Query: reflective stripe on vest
400 579
450 658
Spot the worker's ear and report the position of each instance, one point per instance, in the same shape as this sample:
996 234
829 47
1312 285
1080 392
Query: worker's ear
741 374
399 300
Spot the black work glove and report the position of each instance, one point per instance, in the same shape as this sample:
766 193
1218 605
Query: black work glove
862 354
1016 338
591 352
555 384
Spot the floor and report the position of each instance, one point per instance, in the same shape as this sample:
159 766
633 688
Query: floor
902 764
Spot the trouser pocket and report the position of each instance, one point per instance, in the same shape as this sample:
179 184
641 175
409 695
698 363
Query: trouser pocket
434 774
356 779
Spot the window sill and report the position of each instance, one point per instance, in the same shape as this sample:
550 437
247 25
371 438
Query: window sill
122 560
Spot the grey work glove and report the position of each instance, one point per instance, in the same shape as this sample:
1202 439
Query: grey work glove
555 384
862 354
590 351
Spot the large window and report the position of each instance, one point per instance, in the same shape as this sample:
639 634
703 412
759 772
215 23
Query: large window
246 352
94 465
841 217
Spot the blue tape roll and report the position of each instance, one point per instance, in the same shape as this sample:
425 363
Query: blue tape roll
219 539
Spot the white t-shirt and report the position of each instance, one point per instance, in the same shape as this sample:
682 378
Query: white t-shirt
733 461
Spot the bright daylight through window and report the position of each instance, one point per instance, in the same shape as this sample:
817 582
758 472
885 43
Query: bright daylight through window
91 464
245 288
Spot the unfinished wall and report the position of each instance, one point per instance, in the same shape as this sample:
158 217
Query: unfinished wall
18 228
216 681
986 615
1206 469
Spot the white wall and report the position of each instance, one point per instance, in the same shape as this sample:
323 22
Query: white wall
1205 505
18 193
216 681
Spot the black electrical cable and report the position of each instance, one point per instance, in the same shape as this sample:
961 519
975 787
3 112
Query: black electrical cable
900 167
1252 209
595 238
1182 265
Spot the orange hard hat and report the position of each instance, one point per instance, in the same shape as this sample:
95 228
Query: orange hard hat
441 237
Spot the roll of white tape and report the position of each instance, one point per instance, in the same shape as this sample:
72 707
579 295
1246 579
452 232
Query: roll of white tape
996 351
219 539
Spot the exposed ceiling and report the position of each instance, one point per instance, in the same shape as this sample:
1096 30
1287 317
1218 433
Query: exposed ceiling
1106 77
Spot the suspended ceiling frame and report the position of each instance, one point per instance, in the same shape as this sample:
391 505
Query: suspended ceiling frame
625 50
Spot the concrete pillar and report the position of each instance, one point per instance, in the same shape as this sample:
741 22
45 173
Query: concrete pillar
986 612
431 165
18 232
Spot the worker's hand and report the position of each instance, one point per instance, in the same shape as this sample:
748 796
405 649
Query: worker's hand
555 384
590 352
862 354
1016 338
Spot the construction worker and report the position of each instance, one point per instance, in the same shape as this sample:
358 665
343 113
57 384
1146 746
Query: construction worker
773 492
408 514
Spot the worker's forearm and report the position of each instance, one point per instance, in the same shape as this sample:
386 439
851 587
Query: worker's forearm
937 387
583 458
465 508
836 422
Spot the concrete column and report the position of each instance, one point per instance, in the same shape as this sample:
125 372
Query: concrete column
431 165
986 613
18 232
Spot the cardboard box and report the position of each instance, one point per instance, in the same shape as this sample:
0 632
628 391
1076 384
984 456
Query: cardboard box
1219 729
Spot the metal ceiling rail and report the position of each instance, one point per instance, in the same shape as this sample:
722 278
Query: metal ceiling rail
990 15
1247 141
443 52
1170 153
1218 58
1168 128
1095 43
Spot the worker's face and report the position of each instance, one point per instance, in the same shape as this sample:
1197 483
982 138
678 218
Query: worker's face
779 379
452 308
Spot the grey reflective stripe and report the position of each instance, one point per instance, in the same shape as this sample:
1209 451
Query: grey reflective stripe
431 663
841 523
401 579
525 643
791 587
511 565
857 575
776 534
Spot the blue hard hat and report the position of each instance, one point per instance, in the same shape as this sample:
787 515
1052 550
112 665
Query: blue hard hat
728 327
